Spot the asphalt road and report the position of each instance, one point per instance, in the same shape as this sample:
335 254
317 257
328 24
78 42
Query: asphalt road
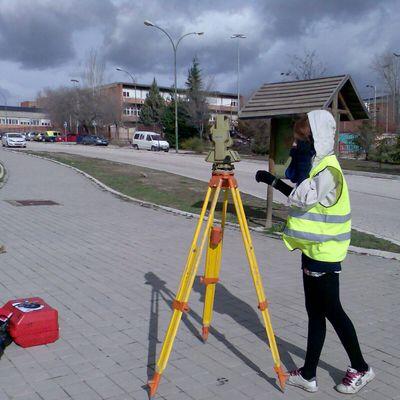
375 200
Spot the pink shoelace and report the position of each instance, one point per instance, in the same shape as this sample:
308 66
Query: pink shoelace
350 376
295 372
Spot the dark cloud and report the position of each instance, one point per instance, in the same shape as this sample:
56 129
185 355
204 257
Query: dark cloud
346 35
39 34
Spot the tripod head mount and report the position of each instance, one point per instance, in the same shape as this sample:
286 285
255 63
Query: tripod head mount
221 155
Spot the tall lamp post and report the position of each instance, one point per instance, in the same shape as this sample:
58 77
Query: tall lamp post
5 104
175 48
373 87
134 83
76 84
396 89
238 36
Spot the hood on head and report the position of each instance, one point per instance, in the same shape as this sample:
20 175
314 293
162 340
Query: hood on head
323 128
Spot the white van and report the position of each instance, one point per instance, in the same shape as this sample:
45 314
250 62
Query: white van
149 141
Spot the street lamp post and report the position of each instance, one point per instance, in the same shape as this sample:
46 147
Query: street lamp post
76 84
175 48
130 75
396 88
134 83
238 36
5 104
373 87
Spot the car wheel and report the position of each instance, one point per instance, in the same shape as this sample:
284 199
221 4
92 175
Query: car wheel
166 150
136 147
153 148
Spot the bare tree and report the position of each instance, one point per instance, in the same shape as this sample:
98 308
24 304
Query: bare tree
305 66
93 72
83 107
387 67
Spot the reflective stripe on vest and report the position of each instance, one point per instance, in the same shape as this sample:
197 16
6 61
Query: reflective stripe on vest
315 237
332 219
322 233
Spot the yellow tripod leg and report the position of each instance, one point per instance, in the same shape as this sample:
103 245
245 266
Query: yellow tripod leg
255 273
213 266
185 287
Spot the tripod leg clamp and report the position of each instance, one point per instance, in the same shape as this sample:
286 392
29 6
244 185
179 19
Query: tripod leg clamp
208 281
180 306
263 305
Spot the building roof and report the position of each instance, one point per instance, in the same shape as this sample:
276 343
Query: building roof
168 88
18 108
298 97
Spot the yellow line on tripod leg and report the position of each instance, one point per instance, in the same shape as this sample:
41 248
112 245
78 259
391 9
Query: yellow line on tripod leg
254 269
182 293
211 274
193 246
203 240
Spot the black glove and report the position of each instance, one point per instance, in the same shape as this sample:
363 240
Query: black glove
278 184
264 176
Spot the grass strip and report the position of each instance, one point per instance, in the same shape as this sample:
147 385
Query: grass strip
187 194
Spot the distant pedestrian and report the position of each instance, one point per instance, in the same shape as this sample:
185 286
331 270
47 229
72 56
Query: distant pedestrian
319 224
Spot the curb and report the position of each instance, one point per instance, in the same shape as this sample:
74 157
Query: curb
142 203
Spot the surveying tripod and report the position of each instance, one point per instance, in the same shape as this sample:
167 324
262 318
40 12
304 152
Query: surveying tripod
222 179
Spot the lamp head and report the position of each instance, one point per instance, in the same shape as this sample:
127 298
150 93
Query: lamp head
148 23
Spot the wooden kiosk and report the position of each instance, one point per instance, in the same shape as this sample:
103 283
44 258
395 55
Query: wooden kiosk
283 102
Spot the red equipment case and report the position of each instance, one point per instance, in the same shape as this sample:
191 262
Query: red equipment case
31 326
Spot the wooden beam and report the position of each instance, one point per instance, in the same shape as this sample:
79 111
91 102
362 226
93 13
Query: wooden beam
336 115
345 107
271 169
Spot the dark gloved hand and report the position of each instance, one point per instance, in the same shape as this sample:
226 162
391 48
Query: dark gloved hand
265 176
278 184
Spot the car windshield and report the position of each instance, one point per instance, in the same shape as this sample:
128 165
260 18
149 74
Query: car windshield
15 135
156 137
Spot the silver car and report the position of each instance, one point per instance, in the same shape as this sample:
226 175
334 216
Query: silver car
13 140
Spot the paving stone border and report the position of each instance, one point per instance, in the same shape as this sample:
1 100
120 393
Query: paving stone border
142 203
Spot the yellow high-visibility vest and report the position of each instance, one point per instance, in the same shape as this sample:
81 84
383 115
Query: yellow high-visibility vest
322 233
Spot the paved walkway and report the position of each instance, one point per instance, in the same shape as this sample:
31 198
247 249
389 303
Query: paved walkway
111 268
373 199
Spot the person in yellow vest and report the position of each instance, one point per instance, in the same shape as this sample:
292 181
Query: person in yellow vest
319 225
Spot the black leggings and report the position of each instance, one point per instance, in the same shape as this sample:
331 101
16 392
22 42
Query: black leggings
322 301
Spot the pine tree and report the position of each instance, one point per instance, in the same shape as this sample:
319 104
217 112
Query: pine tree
153 107
196 100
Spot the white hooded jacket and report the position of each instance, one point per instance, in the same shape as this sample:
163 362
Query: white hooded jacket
324 187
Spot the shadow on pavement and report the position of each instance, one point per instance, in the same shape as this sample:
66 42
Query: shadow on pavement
238 310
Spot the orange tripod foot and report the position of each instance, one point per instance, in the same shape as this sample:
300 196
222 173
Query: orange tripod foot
282 377
153 384
204 333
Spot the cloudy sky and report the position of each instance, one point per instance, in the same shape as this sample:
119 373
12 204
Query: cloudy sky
43 43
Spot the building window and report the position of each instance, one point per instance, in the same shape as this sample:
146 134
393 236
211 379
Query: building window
131 111
233 103
125 93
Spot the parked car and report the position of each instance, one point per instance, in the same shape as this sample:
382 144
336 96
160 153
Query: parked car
70 137
51 136
149 141
13 140
39 137
29 136
94 140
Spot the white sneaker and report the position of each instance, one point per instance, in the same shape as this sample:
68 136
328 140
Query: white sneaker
354 381
295 379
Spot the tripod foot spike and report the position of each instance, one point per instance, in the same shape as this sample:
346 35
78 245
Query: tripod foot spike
153 384
204 333
282 377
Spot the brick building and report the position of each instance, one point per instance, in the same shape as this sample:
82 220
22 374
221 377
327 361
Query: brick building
23 119
132 97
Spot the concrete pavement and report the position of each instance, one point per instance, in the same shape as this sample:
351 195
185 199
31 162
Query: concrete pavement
111 269
373 198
